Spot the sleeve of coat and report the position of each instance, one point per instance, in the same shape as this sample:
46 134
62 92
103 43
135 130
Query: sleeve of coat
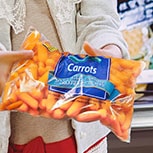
98 23
4 130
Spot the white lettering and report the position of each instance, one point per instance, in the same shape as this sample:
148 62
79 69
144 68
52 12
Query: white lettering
78 68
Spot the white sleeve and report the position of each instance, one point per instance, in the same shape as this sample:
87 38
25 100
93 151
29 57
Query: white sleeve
88 134
98 23
2 47
4 131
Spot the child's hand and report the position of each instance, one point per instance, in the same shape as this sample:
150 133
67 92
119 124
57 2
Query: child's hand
7 59
109 50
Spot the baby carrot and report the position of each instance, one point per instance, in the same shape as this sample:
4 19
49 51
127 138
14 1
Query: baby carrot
23 108
106 105
35 58
30 101
76 107
42 104
13 75
94 104
14 105
45 114
66 106
58 113
42 52
127 123
34 70
50 102
36 93
33 112
121 117
31 40
103 113
50 62
44 77
88 49
115 126
105 120
41 70
88 116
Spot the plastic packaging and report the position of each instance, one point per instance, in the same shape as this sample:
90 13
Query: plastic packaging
140 48
83 87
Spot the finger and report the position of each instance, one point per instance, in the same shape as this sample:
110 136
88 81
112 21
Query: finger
13 56
2 83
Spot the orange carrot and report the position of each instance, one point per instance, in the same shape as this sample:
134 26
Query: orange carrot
45 114
106 105
23 108
37 94
105 121
34 70
88 49
76 107
41 70
127 123
42 52
50 62
66 106
44 77
33 112
94 104
115 126
50 102
88 116
121 117
14 105
13 75
31 40
35 58
103 113
58 113
30 101
42 104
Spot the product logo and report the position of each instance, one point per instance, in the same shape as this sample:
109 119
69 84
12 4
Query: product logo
80 68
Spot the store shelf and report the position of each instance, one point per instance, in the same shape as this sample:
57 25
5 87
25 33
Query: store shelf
142 119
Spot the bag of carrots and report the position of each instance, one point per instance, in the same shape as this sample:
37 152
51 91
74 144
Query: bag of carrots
83 87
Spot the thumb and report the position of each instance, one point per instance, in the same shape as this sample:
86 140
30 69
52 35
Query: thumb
14 56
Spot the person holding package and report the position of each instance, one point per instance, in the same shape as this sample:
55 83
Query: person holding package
66 24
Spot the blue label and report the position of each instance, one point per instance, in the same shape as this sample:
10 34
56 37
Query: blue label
86 76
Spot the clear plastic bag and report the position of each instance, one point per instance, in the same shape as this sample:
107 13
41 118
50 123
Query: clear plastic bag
61 85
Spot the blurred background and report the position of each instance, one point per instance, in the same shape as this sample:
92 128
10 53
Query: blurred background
137 28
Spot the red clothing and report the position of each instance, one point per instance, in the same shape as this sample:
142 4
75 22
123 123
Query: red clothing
37 145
